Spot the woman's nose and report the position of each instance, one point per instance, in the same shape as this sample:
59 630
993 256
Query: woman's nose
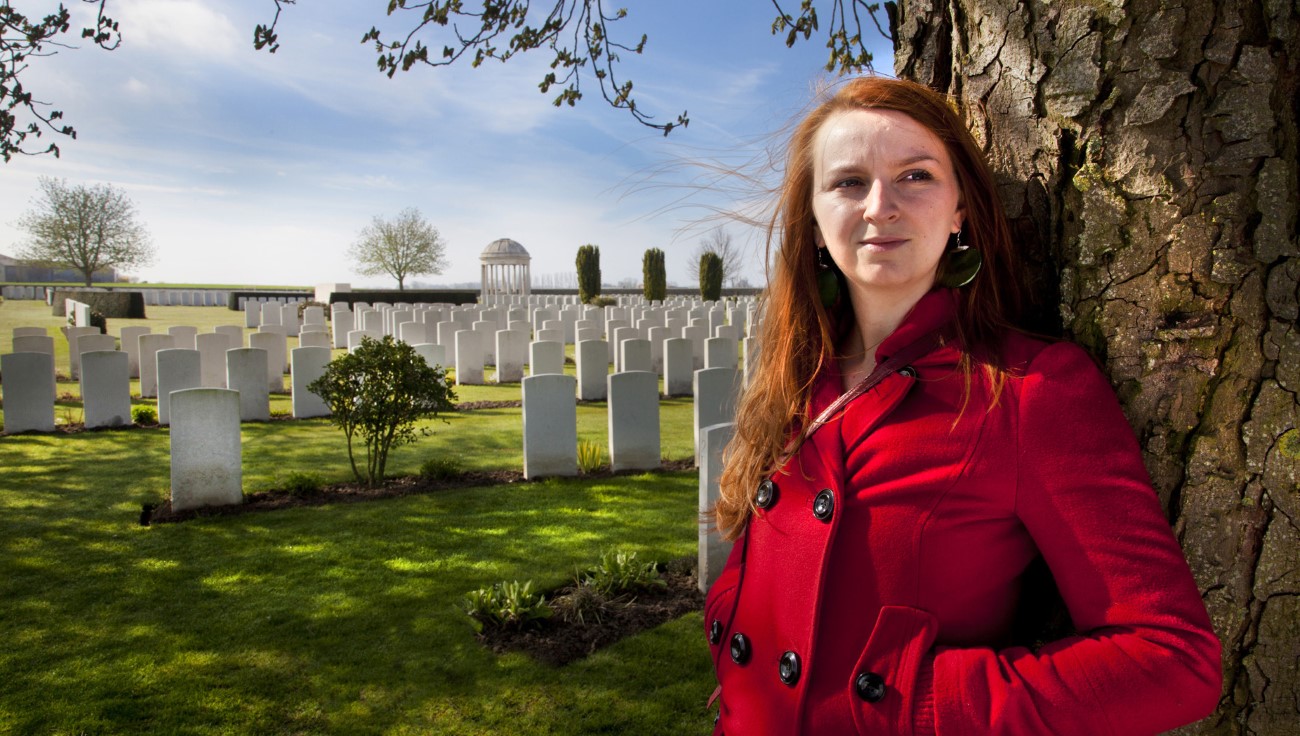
879 203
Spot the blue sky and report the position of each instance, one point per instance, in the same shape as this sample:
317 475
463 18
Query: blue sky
248 167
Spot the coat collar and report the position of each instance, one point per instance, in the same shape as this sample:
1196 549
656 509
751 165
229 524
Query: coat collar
936 309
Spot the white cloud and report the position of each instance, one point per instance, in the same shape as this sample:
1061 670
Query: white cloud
186 26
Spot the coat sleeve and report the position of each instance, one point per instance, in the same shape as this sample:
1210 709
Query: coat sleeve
1145 659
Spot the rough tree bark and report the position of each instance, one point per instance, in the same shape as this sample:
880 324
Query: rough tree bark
1147 152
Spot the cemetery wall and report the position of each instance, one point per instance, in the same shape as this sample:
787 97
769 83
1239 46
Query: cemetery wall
232 298
114 304
408 296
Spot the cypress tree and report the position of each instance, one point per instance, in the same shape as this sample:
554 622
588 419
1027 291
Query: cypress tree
710 277
654 278
588 273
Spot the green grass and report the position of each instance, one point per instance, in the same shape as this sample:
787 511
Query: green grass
338 619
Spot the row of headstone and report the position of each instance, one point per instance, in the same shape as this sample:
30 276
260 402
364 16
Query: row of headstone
550 418
186 297
29 390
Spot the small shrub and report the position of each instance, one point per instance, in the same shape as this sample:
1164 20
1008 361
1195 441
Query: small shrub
441 468
584 603
97 319
591 457
604 301
281 413
619 572
377 394
144 415
681 566
300 483
507 605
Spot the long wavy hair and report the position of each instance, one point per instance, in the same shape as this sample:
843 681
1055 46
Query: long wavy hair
798 336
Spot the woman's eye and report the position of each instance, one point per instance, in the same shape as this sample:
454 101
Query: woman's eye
850 182
917 175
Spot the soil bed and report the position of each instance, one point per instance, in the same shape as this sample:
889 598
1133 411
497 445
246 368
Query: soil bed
274 500
558 640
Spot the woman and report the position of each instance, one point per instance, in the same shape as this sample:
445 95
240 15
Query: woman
881 538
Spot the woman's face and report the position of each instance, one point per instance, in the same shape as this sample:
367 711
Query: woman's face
886 199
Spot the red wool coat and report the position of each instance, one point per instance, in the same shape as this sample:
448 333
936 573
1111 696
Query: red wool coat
875 592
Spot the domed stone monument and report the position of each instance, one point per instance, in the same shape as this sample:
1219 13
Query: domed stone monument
505 269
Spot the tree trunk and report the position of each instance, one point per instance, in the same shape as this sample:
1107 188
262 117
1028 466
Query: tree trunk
1147 154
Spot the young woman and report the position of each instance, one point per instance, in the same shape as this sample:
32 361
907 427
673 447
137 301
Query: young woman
903 456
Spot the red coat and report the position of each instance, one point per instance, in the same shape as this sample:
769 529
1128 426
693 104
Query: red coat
889 615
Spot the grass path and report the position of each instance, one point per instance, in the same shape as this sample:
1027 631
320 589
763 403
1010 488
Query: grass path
336 619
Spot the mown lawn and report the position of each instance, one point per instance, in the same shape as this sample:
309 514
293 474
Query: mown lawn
332 619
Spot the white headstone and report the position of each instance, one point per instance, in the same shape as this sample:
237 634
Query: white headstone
713 549
592 359
150 344
716 393
276 357
343 323
510 355
87 343
550 419
469 358
246 374
212 347
634 421
697 334
178 369
289 318
432 353
413 333
206 454
721 352
545 356
313 339
129 337
36 344
105 389
30 332
356 336
657 337
306 365
27 387
271 314
635 355
183 336
679 373
72 334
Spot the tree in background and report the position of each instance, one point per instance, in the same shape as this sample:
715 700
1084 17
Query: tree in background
710 277
405 246
654 276
84 227
719 242
588 273
379 391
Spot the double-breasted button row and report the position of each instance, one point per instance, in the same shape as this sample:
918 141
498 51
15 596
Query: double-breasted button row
715 631
766 494
789 668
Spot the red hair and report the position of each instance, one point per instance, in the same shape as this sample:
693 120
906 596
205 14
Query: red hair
798 336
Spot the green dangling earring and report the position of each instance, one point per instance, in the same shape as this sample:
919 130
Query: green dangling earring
960 266
828 281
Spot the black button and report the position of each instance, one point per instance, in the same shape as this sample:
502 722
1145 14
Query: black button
908 371
789 668
824 505
870 687
766 495
739 649
715 631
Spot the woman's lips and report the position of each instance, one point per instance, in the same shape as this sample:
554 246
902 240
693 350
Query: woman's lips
881 243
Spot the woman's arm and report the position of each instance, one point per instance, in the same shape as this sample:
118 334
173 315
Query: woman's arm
1146 659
